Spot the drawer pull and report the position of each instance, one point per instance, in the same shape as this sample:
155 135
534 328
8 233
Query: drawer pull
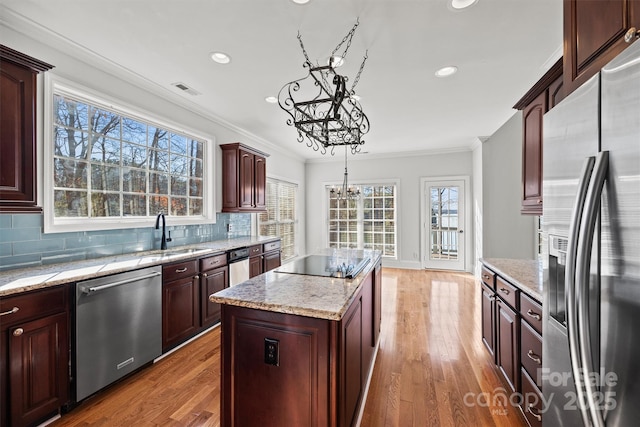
533 314
216 261
18 332
531 409
505 291
534 357
13 310
181 270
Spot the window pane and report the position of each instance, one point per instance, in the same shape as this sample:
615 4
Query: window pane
158 204
195 206
280 218
134 205
179 165
134 155
134 131
105 150
70 203
178 186
106 178
70 113
158 184
70 143
178 206
195 187
178 144
134 180
69 173
105 205
105 122
158 138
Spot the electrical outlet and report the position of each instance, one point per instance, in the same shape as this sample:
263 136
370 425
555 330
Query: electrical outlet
271 352
229 228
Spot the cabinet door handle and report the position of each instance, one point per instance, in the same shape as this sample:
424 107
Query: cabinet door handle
631 34
492 298
181 270
505 291
13 310
205 275
531 409
486 276
18 332
534 357
196 277
534 314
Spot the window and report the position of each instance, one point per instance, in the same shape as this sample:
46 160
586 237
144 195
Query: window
113 169
366 223
280 219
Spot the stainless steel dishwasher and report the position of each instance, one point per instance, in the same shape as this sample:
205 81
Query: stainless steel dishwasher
118 327
238 260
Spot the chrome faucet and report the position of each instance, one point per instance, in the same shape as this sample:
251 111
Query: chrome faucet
163 243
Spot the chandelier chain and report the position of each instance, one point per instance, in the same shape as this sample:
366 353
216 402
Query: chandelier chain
357 79
348 38
304 51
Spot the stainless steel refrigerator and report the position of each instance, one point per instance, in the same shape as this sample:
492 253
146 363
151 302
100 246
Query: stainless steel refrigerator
591 185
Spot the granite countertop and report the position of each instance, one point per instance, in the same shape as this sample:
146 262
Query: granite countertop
26 279
523 273
311 296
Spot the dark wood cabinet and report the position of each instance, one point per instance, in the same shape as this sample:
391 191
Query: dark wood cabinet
594 33
377 302
512 333
264 257
545 94
244 178
507 344
214 277
34 348
18 131
180 303
321 372
255 261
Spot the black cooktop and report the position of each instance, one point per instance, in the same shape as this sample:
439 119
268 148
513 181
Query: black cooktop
326 266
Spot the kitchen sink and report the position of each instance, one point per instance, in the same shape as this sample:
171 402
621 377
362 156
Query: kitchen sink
171 253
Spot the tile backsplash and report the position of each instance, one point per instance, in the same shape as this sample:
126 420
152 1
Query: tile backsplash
23 243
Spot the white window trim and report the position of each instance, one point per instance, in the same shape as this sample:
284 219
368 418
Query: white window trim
55 84
325 207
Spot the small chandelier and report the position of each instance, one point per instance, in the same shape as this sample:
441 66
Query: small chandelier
345 192
321 107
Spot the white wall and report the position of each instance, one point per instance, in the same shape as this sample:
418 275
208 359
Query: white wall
406 171
81 67
506 233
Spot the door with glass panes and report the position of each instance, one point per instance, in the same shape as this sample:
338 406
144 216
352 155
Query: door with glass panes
443 239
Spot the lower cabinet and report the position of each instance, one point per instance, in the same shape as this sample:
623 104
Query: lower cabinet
214 274
180 303
508 341
512 333
34 352
263 258
288 370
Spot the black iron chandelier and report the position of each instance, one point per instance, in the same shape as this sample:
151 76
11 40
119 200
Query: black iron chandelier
321 107
345 192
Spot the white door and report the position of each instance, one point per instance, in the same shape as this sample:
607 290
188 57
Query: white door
443 219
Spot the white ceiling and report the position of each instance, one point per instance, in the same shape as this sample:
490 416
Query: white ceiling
501 48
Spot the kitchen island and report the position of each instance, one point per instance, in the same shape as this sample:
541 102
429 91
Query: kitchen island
298 349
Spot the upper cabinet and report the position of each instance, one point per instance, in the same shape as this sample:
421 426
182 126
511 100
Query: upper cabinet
543 96
18 131
244 178
594 33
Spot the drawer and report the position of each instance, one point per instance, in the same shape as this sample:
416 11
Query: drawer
212 262
255 250
531 401
179 270
531 352
32 305
488 277
531 312
507 292
271 246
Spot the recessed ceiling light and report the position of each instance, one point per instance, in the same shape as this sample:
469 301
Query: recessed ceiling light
220 57
300 1
461 4
271 99
446 71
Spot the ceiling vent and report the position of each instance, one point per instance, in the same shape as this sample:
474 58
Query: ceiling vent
183 87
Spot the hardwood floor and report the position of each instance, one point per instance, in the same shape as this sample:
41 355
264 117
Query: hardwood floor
431 368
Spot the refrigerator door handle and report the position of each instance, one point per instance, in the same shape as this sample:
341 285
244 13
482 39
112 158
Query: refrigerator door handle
570 275
583 270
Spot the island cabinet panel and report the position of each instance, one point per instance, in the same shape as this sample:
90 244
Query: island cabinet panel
320 372
295 391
